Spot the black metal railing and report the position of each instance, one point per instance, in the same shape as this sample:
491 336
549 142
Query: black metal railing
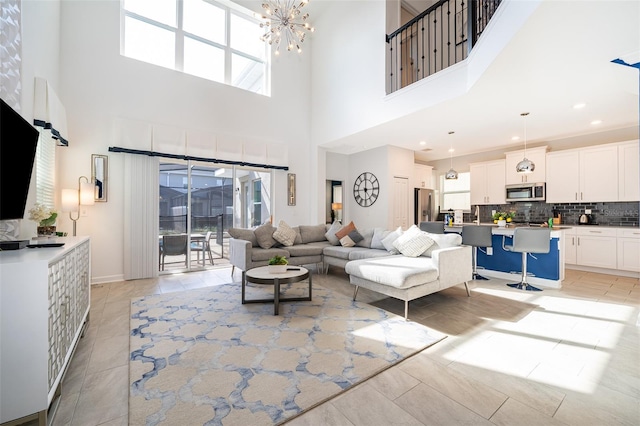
437 38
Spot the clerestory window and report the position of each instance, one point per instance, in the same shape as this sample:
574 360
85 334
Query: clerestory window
212 39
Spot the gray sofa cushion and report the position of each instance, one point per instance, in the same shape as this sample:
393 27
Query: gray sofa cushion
378 236
266 254
244 234
367 254
339 251
312 233
298 239
264 236
330 235
395 271
304 250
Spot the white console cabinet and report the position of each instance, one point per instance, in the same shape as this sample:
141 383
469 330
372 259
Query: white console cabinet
44 301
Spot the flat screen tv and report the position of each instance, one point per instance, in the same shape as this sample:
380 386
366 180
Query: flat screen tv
18 142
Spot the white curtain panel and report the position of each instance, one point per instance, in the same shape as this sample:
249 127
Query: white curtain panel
141 220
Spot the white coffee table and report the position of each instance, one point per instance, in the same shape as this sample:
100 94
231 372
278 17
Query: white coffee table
261 275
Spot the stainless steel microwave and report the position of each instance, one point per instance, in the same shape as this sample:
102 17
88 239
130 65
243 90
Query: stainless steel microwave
525 192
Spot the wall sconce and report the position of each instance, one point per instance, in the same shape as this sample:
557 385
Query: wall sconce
337 207
72 199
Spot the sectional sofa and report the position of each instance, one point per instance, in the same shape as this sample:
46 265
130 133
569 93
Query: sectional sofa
402 264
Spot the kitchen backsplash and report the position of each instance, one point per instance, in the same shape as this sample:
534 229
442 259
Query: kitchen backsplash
604 214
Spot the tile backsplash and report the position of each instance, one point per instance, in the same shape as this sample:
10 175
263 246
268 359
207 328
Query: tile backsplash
605 214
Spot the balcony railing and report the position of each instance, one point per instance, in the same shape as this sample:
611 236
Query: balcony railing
439 37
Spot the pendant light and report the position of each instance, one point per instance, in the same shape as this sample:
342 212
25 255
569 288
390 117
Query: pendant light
526 165
451 174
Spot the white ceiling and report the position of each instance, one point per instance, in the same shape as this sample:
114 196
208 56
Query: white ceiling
561 57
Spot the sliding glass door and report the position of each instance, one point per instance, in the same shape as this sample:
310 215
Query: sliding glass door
199 202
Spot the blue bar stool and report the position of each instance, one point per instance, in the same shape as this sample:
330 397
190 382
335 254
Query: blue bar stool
527 241
476 236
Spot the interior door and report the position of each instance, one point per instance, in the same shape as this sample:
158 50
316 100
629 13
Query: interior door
400 202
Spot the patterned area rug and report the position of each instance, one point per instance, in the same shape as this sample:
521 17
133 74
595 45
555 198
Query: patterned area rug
201 357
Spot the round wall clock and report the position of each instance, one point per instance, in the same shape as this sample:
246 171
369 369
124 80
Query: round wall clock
366 189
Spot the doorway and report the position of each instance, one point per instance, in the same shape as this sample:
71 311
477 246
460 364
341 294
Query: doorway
334 206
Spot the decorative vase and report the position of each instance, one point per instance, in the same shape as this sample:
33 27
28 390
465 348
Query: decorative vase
277 269
46 231
502 223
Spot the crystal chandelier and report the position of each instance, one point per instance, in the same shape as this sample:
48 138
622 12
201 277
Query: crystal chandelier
284 23
526 165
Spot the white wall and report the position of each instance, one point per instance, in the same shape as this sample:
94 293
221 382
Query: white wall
98 86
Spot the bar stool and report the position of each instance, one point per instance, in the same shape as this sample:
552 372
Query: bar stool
476 236
432 227
526 241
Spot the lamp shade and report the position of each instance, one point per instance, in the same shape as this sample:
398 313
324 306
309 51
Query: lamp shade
336 206
87 193
69 200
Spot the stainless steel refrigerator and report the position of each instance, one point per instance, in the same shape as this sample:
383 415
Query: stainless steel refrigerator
425 205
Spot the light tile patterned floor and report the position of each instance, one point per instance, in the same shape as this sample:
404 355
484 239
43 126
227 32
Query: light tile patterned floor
568 356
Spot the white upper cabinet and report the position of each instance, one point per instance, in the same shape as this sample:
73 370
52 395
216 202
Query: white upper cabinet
629 171
422 176
536 155
583 175
487 182
563 177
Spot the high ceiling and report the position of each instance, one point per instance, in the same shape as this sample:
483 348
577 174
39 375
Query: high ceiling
560 57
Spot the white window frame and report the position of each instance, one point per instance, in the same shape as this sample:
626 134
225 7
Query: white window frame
229 8
443 192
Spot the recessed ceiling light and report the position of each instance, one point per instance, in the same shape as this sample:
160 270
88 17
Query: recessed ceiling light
515 138
451 150
423 142
580 105
595 122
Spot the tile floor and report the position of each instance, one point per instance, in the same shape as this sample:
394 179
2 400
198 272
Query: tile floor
565 357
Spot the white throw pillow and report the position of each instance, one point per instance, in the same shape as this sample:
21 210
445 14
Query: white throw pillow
413 242
285 234
441 241
378 236
331 233
387 241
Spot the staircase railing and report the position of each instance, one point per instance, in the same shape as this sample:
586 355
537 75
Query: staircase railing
437 38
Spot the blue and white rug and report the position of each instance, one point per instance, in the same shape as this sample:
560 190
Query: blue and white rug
201 357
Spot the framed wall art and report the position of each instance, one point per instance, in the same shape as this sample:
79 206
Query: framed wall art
291 189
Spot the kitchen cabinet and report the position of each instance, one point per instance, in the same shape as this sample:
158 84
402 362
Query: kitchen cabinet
44 301
586 174
570 246
487 182
629 249
422 176
629 171
596 247
538 155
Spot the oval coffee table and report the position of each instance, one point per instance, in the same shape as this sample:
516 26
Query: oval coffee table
261 275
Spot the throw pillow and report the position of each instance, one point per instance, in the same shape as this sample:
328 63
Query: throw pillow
345 230
441 241
330 235
244 234
378 236
351 239
284 234
413 242
264 235
387 242
367 236
313 233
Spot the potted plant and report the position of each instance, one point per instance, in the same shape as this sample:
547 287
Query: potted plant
278 264
501 218
45 217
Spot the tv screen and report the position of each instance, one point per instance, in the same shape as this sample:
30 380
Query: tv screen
18 142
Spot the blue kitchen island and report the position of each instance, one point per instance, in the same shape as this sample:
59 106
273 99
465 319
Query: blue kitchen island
546 270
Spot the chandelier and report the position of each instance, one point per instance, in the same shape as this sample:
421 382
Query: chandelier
451 174
284 23
526 165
